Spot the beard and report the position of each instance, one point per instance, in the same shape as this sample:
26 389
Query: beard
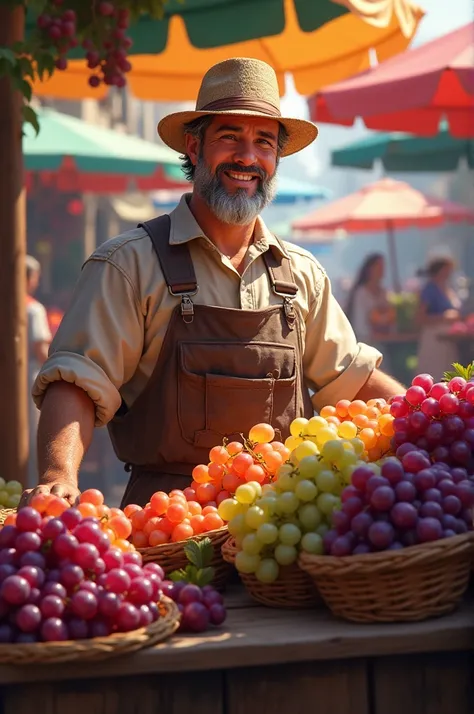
236 208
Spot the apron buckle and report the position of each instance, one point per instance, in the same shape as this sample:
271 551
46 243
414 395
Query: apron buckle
289 312
187 309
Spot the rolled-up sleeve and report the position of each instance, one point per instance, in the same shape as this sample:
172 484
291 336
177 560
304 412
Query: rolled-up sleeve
335 365
100 340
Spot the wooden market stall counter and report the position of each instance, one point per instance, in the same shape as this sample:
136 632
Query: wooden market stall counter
265 661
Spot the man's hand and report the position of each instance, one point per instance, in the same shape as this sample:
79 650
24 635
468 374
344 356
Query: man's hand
63 489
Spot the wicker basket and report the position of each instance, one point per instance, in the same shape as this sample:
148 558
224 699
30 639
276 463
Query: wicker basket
292 589
98 648
4 513
171 556
412 584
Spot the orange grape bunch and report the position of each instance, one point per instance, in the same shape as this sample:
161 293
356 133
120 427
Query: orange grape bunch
232 464
370 421
170 518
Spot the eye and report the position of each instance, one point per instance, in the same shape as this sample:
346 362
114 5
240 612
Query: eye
267 143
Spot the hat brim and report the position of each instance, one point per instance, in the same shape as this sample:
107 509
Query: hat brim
301 132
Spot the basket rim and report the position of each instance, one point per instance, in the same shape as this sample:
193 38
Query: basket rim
180 543
394 555
115 643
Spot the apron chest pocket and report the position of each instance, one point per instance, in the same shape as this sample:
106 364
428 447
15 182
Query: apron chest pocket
215 401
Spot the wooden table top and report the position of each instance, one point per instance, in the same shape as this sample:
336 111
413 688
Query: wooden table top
254 636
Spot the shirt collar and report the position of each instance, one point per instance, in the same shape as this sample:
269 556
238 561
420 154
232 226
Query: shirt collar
185 228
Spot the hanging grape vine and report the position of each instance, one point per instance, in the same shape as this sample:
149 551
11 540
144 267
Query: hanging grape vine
98 26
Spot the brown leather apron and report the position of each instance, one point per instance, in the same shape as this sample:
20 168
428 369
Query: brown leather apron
219 372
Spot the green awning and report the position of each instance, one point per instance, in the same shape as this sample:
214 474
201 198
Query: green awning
94 149
213 23
405 152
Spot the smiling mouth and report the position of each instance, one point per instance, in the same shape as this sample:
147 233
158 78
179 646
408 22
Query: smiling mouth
241 177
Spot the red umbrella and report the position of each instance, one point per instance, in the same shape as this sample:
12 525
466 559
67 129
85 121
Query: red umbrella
411 92
384 205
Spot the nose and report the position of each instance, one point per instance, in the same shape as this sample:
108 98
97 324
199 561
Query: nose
244 153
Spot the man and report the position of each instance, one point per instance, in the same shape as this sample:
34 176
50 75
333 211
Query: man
39 338
200 324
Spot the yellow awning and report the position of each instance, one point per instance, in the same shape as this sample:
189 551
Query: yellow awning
338 50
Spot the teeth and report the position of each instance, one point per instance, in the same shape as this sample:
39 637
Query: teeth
241 177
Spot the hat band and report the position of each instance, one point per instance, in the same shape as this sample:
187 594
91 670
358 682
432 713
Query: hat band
243 103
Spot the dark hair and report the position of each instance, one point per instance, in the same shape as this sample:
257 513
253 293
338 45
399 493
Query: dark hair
197 127
435 266
361 279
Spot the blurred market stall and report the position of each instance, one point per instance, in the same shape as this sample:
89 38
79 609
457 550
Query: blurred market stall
72 155
383 206
404 152
416 90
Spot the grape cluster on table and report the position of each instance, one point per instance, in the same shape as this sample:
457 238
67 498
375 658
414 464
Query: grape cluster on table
426 491
62 579
199 607
437 418
412 501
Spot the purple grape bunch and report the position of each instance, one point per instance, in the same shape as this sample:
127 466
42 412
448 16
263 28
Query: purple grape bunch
200 607
411 501
66 583
438 418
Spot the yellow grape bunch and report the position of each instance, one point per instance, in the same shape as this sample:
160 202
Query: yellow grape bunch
370 422
273 522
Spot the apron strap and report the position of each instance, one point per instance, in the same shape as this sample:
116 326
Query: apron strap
175 260
280 273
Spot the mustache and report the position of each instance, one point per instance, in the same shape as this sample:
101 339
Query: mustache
255 170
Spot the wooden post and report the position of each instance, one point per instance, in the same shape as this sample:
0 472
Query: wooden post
392 253
13 355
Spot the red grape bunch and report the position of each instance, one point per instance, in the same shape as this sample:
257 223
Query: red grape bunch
59 29
61 579
106 42
411 501
199 607
437 418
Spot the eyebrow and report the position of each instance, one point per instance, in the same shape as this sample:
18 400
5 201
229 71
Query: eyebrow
231 127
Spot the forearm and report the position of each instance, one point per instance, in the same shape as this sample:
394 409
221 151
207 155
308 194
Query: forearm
380 385
41 351
65 432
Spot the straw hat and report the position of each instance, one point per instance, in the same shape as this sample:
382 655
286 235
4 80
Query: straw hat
239 86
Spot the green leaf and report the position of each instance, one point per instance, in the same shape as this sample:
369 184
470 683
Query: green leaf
178 575
45 65
8 55
25 88
205 576
26 67
459 371
199 553
31 117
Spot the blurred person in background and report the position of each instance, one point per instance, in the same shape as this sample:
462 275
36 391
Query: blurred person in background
39 339
438 307
368 308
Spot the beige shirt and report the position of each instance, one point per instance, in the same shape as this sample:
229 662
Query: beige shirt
109 340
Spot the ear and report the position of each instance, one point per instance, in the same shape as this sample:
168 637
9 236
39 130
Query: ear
192 147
